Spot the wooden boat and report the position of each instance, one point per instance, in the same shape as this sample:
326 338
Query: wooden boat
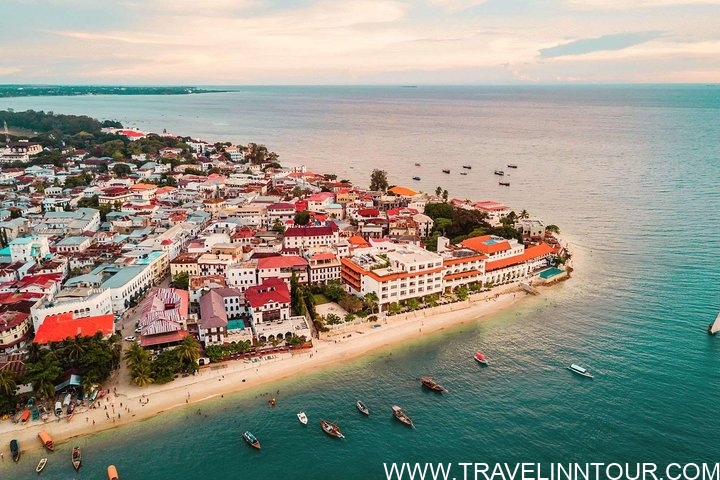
76 458
25 416
331 429
463 173
112 473
504 184
480 358
446 171
467 166
499 172
417 164
46 440
714 327
416 178
302 417
431 384
14 450
400 414
71 408
251 440
362 408
580 370
512 165
41 464
272 402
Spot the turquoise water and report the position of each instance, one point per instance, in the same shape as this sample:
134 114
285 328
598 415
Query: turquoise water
550 272
633 174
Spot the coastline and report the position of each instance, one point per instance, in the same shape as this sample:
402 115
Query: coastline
128 404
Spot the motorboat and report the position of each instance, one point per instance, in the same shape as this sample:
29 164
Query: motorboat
580 370
714 327
512 165
251 440
446 171
302 417
14 450
76 458
499 172
41 464
417 179
467 166
480 358
400 414
46 440
362 408
112 473
331 429
431 384
504 184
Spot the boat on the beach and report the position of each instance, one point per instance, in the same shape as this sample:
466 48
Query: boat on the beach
445 170
251 440
467 166
431 384
25 416
362 408
76 458
14 450
714 327
580 370
46 440
71 408
512 165
112 473
331 429
416 178
499 172
58 409
302 417
480 358
41 464
504 184
400 414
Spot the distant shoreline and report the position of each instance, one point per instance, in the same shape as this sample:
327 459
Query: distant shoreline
18 91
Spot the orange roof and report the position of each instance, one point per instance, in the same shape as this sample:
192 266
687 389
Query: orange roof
486 244
162 190
143 186
358 241
56 328
531 253
403 191
385 278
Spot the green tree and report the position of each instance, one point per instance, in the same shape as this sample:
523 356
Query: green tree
461 292
378 180
553 229
394 308
351 303
188 353
445 196
142 375
437 210
334 290
121 170
438 191
332 319
302 217
278 226
42 375
296 192
371 301
349 317
181 280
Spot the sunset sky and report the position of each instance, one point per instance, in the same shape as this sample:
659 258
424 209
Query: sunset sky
223 42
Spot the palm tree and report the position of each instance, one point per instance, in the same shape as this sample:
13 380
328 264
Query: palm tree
371 300
136 356
524 214
142 375
43 374
188 351
74 348
7 383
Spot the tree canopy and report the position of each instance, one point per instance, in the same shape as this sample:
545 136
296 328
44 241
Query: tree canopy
378 180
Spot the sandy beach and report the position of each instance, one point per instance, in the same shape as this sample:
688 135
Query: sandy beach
127 403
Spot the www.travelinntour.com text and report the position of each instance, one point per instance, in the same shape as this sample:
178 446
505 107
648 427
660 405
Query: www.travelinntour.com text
551 471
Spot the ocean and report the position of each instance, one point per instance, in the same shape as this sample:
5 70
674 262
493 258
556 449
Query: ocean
629 173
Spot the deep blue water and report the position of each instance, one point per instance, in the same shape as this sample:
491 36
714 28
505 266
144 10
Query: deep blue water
630 175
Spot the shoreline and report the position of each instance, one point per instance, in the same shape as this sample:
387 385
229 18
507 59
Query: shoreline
129 404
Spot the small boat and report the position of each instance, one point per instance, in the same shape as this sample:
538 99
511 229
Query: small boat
302 417
35 413
499 172
112 473
58 409
71 408
504 184
446 171
512 165
580 370
467 166
46 440
362 408
417 164
331 429
251 440
480 358
400 414
25 416
41 464
416 178
463 173
714 327
14 450
431 384
76 458
272 402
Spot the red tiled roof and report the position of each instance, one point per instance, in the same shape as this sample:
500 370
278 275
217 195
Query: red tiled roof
170 337
281 261
308 231
273 290
56 328
483 244
531 253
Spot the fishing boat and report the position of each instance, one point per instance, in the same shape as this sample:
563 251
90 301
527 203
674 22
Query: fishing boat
480 358
331 429
362 408
400 414
512 165
302 417
431 384
714 327
416 178
417 164
499 172
463 173
579 370
112 473
76 458
467 166
41 464
251 440
35 413
14 450
446 171
71 408
504 184
46 440
25 416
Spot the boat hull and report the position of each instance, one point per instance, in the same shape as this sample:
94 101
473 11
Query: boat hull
331 429
15 450
585 374
76 458
362 408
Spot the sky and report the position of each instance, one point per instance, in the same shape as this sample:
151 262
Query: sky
320 42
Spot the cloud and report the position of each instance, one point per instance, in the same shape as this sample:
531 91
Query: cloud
457 5
618 41
628 5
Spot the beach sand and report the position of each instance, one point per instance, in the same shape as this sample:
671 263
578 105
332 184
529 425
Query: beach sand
127 403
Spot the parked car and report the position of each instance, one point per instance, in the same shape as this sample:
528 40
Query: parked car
138 330
130 339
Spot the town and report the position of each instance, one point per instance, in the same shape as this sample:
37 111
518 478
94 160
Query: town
194 253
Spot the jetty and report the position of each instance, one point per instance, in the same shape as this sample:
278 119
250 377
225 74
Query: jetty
529 288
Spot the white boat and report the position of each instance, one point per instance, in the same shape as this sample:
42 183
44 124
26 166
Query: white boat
41 465
580 370
302 417
480 358
714 327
